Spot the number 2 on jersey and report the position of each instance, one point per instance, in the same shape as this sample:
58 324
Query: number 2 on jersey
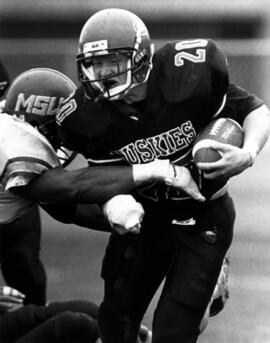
198 56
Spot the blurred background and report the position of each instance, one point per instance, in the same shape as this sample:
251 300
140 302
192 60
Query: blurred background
44 33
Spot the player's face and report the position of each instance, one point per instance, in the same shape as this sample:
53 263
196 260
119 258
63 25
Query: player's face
111 69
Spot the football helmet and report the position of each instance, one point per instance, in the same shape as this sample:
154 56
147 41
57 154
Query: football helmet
116 32
35 97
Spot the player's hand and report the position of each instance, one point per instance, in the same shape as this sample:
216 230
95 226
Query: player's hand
10 299
180 177
234 161
124 214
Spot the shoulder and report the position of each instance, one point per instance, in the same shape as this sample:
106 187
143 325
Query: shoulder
24 152
80 118
240 102
185 52
190 68
80 110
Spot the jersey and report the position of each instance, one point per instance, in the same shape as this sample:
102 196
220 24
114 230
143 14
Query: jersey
187 88
24 154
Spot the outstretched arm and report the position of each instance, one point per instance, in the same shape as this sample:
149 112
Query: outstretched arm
86 185
99 184
84 215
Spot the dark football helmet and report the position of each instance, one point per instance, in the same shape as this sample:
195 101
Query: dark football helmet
119 32
35 97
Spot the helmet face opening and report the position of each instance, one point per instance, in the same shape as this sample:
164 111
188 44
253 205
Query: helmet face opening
109 74
118 35
35 97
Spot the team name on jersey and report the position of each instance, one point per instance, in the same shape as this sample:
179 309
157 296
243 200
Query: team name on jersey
161 145
38 104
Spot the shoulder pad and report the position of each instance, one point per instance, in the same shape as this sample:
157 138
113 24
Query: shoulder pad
82 115
190 68
31 155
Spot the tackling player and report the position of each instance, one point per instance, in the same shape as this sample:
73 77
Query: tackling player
69 321
135 105
21 265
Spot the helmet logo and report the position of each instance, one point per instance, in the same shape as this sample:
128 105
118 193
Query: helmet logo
139 28
95 46
38 104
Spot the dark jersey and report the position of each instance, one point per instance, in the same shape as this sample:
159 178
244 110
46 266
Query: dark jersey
187 88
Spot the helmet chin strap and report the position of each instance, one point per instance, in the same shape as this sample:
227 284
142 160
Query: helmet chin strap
114 93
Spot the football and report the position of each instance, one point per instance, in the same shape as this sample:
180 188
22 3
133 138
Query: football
223 130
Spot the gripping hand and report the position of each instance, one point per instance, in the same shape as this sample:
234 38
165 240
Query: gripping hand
180 177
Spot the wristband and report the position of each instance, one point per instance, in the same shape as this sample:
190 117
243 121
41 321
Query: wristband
172 174
155 170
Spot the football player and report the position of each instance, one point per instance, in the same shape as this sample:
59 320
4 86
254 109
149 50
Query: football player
135 105
21 265
59 322
30 107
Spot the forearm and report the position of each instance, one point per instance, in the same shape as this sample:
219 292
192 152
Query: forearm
91 216
91 184
257 128
98 184
84 215
86 185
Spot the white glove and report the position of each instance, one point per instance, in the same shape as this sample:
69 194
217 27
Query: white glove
124 214
180 177
156 170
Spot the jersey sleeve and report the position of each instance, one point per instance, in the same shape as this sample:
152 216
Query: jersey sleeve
194 68
24 153
239 103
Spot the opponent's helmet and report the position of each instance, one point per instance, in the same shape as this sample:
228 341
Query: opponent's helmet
114 31
35 97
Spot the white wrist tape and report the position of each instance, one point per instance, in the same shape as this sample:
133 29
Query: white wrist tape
123 210
152 171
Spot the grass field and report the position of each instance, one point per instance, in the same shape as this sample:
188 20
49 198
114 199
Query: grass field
73 256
